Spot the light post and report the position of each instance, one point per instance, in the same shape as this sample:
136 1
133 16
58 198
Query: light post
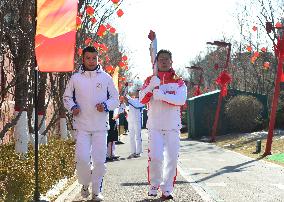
223 87
279 52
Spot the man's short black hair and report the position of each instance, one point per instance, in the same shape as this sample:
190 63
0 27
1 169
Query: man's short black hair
164 51
90 49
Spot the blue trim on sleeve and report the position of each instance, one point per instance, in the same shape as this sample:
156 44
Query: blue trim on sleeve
105 107
75 106
135 106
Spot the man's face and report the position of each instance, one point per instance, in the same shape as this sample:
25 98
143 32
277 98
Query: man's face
164 62
90 60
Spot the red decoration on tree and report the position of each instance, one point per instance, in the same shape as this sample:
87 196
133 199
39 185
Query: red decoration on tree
121 64
109 68
80 51
263 49
103 47
249 48
266 65
254 28
115 1
90 10
108 26
216 66
119 13
278 25
93 20
88 40
107 59
197 91
256 54
101 30
223 80
96 45
124 58
253 59
78 21
112 30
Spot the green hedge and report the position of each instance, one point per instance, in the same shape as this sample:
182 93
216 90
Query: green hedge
56 161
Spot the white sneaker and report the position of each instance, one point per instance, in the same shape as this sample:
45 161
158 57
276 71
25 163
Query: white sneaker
85 191
131 156
137 155
98 197
153 191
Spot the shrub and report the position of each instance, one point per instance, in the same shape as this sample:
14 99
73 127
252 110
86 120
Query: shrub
243 113
56 161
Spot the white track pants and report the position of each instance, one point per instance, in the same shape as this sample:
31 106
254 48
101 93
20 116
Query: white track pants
91 149
135 137
163 156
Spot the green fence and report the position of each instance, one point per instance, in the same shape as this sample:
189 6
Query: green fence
201 112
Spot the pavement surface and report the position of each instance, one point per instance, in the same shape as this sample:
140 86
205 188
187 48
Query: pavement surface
205 173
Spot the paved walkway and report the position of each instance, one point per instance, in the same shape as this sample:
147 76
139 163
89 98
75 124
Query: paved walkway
229 176
126 180
206 173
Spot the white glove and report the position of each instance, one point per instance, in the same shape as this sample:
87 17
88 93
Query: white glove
154 82
158 94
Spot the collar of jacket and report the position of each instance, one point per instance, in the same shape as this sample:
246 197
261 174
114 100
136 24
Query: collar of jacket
96 70
166 75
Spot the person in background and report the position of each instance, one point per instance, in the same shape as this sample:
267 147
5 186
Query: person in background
112 135
135 123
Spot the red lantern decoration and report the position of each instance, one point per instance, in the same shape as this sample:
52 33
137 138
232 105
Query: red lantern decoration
120 13
266 65
249 48
96 45
278 25
112 30
256 54
254 28
124 58
197 91
115 1
78 21
101 30
223 80
88 40
93 20
80 51
109 68
90 10
253 59
107 59
103 47
216 66
263 49
108 26
121 64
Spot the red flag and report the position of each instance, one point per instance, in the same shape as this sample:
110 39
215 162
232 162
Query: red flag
56 35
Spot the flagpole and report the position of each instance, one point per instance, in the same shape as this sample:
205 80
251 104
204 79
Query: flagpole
36 189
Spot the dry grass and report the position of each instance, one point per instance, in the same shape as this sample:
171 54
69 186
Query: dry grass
245 145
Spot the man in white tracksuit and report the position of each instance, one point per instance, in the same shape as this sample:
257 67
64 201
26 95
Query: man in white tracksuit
164 94
134 119
89 95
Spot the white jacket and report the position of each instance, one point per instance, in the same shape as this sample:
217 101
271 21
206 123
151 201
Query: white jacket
86 89
164 103
135 110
